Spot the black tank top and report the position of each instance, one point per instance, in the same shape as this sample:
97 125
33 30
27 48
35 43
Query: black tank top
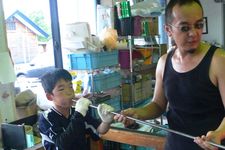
195 104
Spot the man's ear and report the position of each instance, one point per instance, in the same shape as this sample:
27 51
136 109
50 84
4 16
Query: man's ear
49 96
167 28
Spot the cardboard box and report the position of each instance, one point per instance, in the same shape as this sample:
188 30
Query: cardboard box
141 91
127 92
146 89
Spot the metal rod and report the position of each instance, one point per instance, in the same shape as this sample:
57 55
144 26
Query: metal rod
163 128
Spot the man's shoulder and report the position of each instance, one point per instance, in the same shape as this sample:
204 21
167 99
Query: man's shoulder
220 52
162 59
218 60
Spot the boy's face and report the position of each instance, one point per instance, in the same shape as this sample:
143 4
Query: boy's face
62 94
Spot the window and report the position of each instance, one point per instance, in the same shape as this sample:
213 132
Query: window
34 15
31 38
10 24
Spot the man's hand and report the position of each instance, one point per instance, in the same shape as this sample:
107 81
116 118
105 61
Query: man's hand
104 112
131 112
82 105
211 136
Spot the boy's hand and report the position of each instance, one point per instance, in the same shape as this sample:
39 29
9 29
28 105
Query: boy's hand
104 112
82 105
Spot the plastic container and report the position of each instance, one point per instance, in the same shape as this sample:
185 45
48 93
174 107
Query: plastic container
89 61
102 82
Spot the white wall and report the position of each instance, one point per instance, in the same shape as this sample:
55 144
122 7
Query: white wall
214 13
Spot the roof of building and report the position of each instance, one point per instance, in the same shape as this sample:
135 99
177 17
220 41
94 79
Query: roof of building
28 23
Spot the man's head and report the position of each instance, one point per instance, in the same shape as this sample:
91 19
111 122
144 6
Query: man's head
172 3
184 23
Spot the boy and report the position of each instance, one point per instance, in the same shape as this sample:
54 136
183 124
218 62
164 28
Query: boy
62 127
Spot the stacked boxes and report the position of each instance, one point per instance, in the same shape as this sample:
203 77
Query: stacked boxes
127 92
146 89
97 60
99 80
142 90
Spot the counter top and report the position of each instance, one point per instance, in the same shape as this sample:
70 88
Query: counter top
135 138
